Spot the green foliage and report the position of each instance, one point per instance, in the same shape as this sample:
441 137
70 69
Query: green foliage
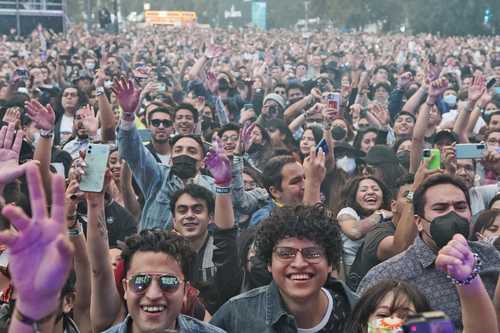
451 17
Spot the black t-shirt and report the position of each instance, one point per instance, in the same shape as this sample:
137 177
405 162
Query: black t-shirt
366 257
119 222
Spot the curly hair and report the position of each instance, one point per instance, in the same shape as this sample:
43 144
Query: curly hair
157 240
314 223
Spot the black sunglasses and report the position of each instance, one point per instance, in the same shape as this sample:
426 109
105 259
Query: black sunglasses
139 283
165 122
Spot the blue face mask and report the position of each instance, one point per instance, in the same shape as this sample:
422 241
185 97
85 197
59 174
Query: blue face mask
497 90
451 100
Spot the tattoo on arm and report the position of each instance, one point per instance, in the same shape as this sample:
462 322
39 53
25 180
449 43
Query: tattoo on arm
101 225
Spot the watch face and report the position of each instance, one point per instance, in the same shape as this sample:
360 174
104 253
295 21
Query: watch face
409 196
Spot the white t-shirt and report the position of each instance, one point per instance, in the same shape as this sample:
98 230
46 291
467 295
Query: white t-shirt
66 128
165 159
325 318
350 246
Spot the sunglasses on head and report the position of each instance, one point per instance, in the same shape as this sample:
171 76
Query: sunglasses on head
165 122
139 283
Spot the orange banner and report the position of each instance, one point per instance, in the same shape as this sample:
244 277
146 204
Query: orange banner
169 17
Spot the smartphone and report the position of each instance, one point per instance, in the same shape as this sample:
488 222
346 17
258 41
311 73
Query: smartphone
324 146
428 322
491 83
97 161
22 73
334 101
144 134
470 150
435 155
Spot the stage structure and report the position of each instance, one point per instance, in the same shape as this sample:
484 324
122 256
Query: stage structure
25 15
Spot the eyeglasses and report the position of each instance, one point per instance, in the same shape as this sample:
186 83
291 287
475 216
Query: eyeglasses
157 122
232 138
139 283
493 142
312 254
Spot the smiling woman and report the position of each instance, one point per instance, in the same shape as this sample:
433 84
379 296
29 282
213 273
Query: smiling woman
366 203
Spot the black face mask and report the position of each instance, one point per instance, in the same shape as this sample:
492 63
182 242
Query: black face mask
444 227
258 275
404 158
223 84
184 166
338 133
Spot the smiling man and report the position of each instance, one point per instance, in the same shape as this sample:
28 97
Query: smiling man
156 267
301 247
216 268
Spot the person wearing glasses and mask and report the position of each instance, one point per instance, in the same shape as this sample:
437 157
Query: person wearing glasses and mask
157 265
301 247
161 126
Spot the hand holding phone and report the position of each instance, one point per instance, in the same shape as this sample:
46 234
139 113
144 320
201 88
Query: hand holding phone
432 158
324 146
96 159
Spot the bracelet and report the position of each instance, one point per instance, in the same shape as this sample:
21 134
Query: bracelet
472 276
222 190
47 134
75 231
99 91
128 116
35 324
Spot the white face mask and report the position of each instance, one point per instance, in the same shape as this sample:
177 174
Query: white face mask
347 164
108 84
90 66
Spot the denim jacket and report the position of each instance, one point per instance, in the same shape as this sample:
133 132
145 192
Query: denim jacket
185 324
158 184
263 213
262 310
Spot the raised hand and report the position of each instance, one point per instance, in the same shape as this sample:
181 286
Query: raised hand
456 258
127 95
477 89
12 115
437 88
405 80
218 164
10 147
89 120
213 51
43 117
245 139
40 252
314 166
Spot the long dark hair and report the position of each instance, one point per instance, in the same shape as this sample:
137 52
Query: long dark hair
484 220
350 190
404 293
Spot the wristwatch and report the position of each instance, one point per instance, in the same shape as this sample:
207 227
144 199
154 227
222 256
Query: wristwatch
409 196
46 133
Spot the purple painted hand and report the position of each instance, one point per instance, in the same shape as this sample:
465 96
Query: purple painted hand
218 164
43 117
127 95
40 253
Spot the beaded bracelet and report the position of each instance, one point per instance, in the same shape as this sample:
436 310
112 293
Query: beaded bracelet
473 274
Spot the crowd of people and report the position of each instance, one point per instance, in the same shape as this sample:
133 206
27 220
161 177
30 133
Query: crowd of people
254 182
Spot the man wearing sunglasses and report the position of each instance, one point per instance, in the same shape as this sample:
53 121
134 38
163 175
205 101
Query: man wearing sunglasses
157 276
161 126
301 246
